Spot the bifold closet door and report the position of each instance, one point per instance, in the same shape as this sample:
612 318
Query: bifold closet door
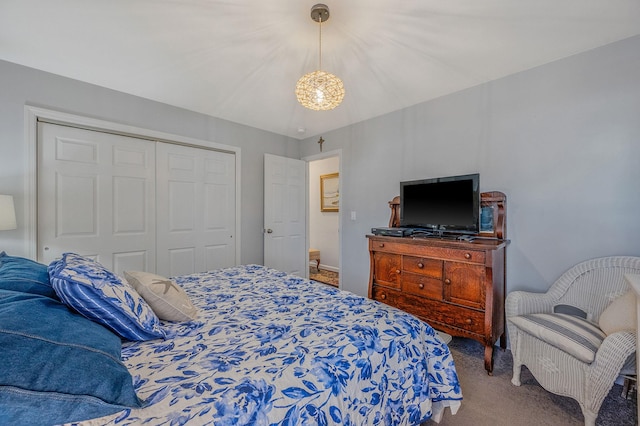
195 209
96 197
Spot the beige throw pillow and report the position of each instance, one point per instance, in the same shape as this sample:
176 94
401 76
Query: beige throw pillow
620 315
167 299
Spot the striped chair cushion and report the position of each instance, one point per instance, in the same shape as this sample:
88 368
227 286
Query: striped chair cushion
574 335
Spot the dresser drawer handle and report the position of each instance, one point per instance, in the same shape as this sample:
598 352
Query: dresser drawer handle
381 245
468 321
383 296
420 286
420 265
467 255
447 281
398 271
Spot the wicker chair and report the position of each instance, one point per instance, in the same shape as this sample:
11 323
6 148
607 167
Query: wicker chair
589 286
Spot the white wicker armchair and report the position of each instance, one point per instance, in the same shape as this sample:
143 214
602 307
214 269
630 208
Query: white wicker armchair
590 286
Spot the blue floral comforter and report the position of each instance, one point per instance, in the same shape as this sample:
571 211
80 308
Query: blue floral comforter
270 348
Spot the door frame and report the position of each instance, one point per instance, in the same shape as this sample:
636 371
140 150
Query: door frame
322 156
34 114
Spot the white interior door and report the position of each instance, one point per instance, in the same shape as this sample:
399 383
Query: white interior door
285 246
195 209
96 197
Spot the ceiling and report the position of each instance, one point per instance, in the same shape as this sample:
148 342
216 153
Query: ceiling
240 59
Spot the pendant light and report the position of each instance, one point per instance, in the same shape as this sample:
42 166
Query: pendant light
320 90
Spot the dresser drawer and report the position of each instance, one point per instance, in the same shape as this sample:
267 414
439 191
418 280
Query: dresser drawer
467 319
471 256
385 295
420 265
451 317
422 285
432 311
446 253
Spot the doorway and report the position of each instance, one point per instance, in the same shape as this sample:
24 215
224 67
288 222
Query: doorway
324 224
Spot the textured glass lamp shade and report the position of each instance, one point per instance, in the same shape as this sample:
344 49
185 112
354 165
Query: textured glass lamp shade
319 91
7 213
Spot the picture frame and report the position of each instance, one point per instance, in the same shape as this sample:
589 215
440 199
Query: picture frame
330 192
486 220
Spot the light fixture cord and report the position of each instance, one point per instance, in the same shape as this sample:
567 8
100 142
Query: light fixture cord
320 45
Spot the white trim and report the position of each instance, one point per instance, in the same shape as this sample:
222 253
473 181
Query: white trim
329 268
31 182
322 156
33 114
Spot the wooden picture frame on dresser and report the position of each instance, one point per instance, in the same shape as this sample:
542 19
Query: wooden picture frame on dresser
457 286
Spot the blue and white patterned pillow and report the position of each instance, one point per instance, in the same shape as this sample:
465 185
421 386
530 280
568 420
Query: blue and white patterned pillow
98 294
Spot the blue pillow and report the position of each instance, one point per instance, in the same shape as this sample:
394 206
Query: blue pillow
57 366
24 275
88 287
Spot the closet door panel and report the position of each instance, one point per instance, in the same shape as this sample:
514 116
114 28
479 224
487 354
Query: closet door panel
76 210
134 204
181 219
181 260
131 261
96 197
196 209
129 205
219 211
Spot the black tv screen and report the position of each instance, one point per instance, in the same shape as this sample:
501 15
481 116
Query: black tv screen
445 204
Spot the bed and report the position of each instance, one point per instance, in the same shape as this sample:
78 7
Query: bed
268 348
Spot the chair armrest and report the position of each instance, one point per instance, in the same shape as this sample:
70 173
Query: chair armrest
524 302
610 358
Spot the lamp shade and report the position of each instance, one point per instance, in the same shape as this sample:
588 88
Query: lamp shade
320 91
7 213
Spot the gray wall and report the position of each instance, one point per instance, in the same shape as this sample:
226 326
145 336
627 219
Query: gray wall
561 140
20 86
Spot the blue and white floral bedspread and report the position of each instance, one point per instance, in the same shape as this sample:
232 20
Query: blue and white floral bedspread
270 348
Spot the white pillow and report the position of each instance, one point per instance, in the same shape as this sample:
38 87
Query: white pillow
620 315
167 299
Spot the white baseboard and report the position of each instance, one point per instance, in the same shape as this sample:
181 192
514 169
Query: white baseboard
325 267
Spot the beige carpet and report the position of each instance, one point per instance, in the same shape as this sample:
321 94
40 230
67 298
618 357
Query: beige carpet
494 401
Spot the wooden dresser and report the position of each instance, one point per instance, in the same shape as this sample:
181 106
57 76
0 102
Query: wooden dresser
456 286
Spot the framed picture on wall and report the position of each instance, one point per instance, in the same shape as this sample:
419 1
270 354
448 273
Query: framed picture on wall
329 192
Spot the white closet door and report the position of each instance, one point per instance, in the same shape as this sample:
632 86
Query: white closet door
195 209
96 197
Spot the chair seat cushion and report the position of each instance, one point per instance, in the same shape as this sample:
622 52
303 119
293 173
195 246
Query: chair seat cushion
577 336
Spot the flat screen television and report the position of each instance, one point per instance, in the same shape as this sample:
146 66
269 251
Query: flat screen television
444 204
